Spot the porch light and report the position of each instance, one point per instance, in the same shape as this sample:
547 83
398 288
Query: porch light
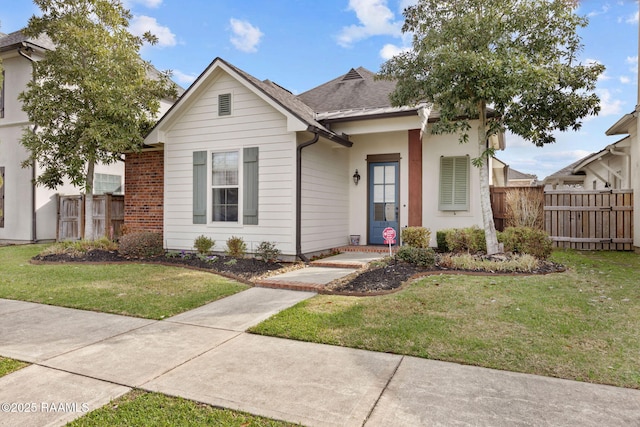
356 177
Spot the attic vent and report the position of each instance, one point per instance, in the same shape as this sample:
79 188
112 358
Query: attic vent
224 104
352 75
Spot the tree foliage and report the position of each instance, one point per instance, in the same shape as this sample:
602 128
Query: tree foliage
510 64
520 57
92 97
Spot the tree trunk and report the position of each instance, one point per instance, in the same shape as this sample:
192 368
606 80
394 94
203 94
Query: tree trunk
88 203
493 247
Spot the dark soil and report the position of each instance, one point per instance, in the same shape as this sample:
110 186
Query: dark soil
243 268
373 280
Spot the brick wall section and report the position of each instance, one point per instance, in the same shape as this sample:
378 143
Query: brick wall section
144 191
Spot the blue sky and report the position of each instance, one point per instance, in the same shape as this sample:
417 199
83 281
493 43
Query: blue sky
303 43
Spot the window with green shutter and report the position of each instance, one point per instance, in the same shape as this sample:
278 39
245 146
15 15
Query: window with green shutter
454 184
250 186
200 187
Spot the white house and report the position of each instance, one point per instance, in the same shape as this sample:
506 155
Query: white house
28 213
237 156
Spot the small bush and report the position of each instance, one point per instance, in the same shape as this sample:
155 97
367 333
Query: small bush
518 264
203 244
460 240
422 257
236 247
526 240
418 237
141 244
525 207
80 247
267 252
441 240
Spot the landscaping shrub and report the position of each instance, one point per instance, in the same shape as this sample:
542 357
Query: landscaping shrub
417 237
525 207
80 247
267 252
422 257
141 244
203 244
523 263
236 247
526 240
441 240
460 240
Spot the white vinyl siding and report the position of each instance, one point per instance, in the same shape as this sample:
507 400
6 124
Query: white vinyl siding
454 184
325 203
253 124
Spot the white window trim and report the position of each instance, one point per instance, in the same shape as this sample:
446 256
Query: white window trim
225 224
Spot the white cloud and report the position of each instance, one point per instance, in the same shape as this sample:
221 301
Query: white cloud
151 4
141 24
624 80
609 106
183 78
245 37
633 61
375 19
406 3
389 50
632 19
604 9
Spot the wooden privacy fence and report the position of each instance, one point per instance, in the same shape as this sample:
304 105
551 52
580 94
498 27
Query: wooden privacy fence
108 216
590 220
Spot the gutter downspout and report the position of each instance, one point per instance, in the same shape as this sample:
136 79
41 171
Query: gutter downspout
34 221
299 149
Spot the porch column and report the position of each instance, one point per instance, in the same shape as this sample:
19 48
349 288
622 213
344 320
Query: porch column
415 178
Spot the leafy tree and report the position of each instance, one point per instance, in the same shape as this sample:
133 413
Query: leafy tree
518 57
92 98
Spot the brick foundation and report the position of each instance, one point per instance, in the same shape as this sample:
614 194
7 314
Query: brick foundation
144 191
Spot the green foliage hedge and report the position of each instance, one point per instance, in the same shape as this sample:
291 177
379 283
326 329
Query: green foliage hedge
141 244
418 237
526 240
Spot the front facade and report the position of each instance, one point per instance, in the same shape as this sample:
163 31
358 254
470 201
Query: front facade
241 157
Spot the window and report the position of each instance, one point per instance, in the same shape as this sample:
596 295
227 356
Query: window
2 197
221 202
2 95
224 104
454 184
105 183
224 186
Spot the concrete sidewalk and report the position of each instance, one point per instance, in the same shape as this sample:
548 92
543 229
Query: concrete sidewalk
85 359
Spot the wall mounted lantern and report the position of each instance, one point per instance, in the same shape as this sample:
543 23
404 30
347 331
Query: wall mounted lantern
356 177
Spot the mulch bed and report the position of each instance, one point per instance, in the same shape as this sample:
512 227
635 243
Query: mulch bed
240 268
374 280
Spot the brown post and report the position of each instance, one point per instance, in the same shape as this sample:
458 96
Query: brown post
415 178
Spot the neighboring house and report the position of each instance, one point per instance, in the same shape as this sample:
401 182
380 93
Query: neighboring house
609 168
28 212
505 176
237 156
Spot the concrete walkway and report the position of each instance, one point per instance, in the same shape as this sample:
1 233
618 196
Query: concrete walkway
82 360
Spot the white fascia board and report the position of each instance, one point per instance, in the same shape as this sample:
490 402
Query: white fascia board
391 124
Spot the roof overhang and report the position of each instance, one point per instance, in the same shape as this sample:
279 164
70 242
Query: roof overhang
622 126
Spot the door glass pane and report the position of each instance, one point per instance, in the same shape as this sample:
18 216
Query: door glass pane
390 211
390 174
378 211
390 193
378 193
378 174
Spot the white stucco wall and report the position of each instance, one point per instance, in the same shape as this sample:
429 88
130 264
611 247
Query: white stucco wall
253 123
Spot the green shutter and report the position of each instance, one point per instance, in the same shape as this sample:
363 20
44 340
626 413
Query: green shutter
199 187
454 184
250 186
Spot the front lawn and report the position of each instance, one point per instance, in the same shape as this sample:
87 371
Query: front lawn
583 324
142 290
154 409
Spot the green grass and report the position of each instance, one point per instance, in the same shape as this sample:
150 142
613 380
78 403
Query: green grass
153 409
141 290
9 365
582 324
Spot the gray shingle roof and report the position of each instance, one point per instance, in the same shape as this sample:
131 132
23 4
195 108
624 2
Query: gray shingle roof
357 89
12 40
